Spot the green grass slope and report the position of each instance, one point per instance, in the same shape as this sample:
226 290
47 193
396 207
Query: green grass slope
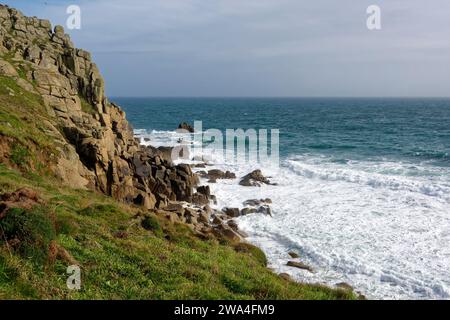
125 253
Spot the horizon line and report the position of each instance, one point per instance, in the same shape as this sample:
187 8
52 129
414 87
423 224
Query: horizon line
280 97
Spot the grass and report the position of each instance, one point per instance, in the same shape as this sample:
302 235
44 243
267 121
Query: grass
17 110
125 253
31 232
86 106
23 119
19 154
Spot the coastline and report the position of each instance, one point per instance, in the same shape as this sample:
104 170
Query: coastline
354 221
78 191
230 213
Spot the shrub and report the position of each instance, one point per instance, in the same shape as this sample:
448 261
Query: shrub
29 232
19 154
99 210
86 106
255 252
150 223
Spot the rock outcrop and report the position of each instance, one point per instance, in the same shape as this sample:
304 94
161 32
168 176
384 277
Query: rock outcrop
254 179
186 127
94 141
23 198
215 174
299 265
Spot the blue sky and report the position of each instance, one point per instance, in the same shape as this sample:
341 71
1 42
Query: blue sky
262 47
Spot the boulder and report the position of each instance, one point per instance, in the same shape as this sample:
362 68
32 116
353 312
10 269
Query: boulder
191 216
265 210
217 220
299 265
246 211
6 69
205 190
213 198
242 233
254 179
199 199
225 232
204 218
175 207
215 174
229 175
344 286
233 225
185 126
256 202
207 209
22 198
285 276
231 212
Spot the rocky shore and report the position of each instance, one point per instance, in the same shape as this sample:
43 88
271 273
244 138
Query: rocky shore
95 146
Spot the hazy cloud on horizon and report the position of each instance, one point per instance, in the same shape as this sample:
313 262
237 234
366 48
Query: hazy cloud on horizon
262 47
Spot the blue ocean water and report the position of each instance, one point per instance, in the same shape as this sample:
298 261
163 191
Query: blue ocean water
363 186
412 129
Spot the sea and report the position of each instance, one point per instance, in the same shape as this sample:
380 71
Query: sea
363 185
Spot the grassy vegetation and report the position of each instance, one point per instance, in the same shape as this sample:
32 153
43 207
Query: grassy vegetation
125 253
86 106
19 154
22 123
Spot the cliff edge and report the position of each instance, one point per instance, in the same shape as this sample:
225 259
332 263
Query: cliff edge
93 144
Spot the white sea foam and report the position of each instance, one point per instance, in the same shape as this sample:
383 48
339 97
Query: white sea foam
383 227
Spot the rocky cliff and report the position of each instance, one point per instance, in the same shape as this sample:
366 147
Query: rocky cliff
94 143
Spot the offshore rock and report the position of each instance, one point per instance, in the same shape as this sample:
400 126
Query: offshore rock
254 179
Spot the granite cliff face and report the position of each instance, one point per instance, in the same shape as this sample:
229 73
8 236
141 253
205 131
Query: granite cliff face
94 142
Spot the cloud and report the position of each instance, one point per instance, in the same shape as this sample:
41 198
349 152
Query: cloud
263 47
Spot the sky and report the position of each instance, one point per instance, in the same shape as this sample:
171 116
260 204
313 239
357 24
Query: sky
260 48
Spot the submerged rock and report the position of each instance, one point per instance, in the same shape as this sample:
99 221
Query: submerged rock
299 265
256 202
285 276
265 210
216 174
